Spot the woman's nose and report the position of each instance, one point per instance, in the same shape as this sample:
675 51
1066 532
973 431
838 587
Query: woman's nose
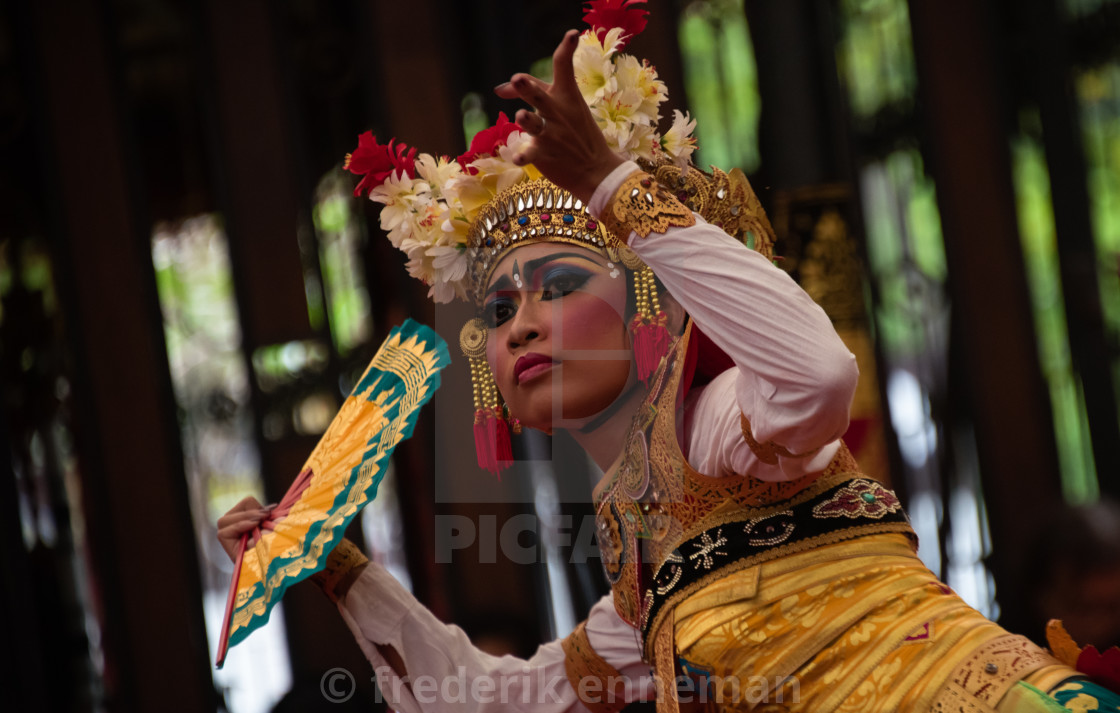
529 323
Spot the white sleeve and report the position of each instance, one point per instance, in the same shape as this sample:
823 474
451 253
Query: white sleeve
794 378
445 672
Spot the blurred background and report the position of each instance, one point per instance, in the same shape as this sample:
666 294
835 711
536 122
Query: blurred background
188 290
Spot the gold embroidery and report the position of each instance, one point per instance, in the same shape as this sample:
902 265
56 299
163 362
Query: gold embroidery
342 560
641 205
993 668
954 699
726 200
598 685
838 633
665 668
654 499
767 452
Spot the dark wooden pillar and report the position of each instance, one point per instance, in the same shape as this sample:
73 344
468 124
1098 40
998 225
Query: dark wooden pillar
414 73
259 192
137 515
803 127
1090 348
960 92
267 211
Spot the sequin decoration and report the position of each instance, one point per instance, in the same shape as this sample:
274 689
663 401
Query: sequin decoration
860 498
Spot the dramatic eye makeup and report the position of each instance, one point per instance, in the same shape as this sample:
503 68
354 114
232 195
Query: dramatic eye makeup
551 278
498 310
561 280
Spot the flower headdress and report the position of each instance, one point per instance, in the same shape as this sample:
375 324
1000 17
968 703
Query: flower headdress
430 203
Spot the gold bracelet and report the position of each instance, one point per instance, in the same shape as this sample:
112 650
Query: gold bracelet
641 205
343 559
598 685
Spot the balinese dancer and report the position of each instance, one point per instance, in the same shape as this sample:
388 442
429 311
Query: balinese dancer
629 298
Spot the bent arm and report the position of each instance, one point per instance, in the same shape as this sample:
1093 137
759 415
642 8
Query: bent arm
445 672
795 379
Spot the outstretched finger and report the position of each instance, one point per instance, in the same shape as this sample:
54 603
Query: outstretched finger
530 122
563 71
527 155
510 90
534 92
505 90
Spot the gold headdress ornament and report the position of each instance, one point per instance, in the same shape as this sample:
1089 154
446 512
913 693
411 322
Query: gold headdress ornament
457 218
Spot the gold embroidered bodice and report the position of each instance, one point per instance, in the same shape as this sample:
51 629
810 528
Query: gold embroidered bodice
653 500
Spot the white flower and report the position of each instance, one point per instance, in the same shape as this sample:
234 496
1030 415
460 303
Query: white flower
407 203
644 92
643 142
444 292
612 41
633 139
592 64
437 171
449 262
453 226
678 141
443 269
498 173
421 265
467 191
414 245
397 187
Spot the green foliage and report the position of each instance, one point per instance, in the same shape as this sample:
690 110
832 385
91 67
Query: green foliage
1036 229
340 242
194 283
721 79
474 117
874 56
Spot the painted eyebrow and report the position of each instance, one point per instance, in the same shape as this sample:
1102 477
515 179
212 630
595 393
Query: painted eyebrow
502 283
533 265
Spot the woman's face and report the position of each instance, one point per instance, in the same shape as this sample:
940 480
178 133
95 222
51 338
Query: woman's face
558 344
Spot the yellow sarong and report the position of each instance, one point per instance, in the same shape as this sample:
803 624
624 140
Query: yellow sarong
860 626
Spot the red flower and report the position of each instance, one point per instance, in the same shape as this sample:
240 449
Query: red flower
488 141
375 162
605 15
1101 668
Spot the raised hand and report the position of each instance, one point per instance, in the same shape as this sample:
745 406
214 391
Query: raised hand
568 146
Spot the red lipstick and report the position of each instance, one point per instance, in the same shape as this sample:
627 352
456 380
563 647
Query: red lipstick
531 365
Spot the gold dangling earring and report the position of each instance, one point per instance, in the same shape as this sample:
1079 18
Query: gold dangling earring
648 328
491 428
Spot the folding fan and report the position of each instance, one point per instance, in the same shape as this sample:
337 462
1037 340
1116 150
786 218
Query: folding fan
339 478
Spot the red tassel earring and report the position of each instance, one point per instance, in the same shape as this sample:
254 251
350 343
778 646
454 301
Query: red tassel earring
491 427
648 328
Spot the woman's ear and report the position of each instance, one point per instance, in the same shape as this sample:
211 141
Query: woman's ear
674 313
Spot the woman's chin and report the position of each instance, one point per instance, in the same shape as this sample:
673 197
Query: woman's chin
577 412
547 424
